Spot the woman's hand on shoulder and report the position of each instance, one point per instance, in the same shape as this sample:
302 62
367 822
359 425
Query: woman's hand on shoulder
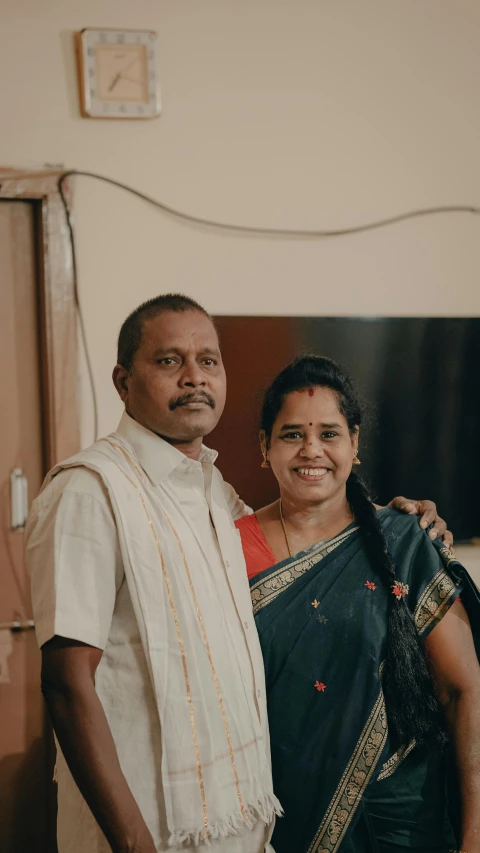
427 510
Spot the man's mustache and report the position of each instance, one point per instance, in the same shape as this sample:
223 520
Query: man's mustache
199 396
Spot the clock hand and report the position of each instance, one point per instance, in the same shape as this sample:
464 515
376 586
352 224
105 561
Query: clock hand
115 81
134 60
131 80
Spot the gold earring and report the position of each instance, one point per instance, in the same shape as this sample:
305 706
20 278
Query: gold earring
265 463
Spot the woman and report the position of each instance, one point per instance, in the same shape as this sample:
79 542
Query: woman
368 651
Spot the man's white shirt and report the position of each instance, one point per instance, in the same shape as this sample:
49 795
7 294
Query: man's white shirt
79 592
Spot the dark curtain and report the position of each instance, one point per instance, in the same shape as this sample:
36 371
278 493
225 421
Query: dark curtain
429 417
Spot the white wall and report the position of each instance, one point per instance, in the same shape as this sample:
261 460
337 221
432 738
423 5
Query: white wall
306 113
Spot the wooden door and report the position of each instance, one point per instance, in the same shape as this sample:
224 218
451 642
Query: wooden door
24 778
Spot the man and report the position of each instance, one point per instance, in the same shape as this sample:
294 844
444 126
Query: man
151 666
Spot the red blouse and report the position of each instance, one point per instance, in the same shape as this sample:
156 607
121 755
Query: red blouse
256 549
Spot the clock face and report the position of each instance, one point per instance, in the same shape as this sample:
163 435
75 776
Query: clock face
122 73
118 74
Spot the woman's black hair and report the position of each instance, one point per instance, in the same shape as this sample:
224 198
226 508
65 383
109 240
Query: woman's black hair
413 710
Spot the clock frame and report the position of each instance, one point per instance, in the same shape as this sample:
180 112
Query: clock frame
117 73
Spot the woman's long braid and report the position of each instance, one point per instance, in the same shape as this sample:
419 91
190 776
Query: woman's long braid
413 710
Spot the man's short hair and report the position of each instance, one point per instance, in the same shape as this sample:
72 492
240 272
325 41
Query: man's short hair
131 333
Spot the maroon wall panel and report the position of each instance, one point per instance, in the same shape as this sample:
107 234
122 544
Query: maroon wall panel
251 361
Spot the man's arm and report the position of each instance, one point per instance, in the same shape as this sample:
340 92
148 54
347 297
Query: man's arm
237 507
456 672
80 724
427 510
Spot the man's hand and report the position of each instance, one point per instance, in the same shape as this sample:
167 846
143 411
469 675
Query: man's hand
79 721
427 510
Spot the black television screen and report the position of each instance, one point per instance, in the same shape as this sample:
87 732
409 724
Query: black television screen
420 378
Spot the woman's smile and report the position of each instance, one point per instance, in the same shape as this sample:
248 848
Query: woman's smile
311 473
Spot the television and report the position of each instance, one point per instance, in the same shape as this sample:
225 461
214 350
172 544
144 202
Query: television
420 378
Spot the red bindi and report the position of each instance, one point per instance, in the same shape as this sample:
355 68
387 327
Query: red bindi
310 392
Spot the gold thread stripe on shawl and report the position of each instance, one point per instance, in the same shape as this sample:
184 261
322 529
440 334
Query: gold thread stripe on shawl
221 757
265 591
353 783
388 769
434 601
179 636
214 675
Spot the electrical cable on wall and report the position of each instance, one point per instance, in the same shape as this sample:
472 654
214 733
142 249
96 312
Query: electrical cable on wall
302 233
273 232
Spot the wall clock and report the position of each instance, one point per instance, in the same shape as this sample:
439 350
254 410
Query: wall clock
117 73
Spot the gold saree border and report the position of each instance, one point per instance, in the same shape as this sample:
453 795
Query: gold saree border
265 591
353 783
388 769
447 556
434 601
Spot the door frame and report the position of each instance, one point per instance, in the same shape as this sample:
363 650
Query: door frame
57 308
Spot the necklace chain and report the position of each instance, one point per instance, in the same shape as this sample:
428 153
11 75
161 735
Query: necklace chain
287 540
